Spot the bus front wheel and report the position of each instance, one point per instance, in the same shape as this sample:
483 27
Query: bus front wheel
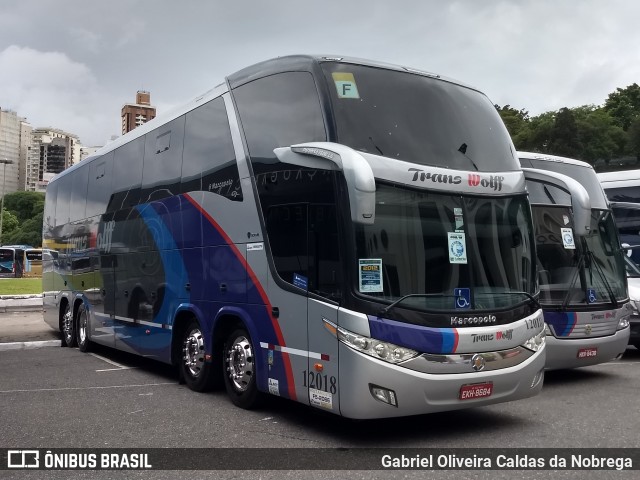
240 370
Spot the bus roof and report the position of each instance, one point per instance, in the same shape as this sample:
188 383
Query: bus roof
253 72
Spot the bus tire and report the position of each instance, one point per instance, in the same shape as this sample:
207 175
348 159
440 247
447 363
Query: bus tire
194 370
68 328
240 370
82 329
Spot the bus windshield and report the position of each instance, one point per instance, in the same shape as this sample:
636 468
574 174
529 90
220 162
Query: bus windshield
585 271
428 244
7 256
417 119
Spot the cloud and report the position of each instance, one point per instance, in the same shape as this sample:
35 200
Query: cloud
50 89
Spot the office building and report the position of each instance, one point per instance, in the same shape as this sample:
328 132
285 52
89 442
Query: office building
139 113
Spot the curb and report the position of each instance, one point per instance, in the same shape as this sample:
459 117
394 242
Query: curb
20 303
28 345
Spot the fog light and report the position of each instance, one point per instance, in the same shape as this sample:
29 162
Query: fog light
383 395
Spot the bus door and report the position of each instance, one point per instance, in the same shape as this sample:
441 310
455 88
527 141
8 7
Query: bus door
287 358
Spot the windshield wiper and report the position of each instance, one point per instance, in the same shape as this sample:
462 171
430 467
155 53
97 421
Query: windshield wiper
607 285
517 292
463 150
386 309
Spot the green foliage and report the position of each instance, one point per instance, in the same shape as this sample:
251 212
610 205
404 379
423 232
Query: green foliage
624 105
26 209
9 224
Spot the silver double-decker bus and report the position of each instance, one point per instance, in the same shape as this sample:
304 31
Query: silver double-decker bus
583 286
348 234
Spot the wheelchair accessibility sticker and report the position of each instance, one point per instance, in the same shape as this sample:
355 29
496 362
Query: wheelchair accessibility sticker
591 295
567 238
457 248
462 298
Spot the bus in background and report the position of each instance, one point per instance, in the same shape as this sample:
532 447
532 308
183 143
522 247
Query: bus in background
621 186
12 262
351 235
33 258
581 272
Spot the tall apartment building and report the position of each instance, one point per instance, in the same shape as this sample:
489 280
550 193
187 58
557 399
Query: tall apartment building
15 134
134 115
52 151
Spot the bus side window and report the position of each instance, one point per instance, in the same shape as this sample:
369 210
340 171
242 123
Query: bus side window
209 161
127 175
99 189
163 161
78 208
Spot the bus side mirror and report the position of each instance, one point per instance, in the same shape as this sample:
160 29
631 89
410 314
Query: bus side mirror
357 172
580 201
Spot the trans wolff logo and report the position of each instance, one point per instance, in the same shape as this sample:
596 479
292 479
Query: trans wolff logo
494 181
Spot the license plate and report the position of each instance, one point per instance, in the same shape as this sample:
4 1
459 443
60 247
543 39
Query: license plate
476 390
587 352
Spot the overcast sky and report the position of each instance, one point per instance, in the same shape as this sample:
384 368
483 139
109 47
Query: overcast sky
73 64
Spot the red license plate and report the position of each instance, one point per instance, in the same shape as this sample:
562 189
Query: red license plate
476 390
587 352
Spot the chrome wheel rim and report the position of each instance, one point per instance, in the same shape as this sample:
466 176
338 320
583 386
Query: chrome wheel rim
193 352
82 327
240 363
67 322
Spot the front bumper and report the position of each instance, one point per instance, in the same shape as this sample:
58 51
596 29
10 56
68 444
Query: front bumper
419 393
563 353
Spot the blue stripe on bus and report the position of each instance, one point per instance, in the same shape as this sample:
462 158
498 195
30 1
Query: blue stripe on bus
416 337
563 323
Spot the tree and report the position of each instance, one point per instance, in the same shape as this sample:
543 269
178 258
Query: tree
24 205
9 224
633 135
514 120
624 105
601 138
564 139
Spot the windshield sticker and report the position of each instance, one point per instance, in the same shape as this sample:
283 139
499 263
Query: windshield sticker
300 281
457 247
345 85
462 298
459 219
370 275
567 238
565 219
591 295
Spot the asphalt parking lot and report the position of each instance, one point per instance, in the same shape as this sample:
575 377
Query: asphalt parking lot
54 397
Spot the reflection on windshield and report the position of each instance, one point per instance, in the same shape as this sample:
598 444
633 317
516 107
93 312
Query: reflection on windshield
436 249
588 270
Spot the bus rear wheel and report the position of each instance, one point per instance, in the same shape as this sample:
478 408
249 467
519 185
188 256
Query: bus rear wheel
82 329
240 370
196 372
68 328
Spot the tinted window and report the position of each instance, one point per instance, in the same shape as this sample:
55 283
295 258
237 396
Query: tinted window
418 119
544 193
209 161
623 194
299 207
279 111
65 185
79 193
49 219
99 190
127 175
586 176
163 161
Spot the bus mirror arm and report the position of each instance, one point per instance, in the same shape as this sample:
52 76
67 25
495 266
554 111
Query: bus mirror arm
333 156
580 201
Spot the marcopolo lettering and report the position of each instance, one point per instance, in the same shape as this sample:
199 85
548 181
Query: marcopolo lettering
424 176
457 321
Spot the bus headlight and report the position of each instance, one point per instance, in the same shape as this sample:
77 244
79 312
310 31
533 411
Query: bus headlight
623 322
386 351
536 342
